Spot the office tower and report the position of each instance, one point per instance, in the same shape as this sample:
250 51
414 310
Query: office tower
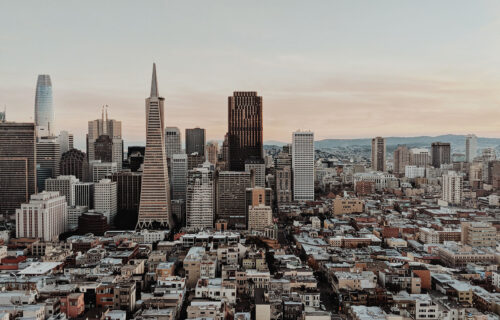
74 163
245 129
17 165
488 154
135 157
84 194
44 217
401 160
478 234
179 176
105 199
64 185
223 165
257 170
74 213
287 148
110 128
129 190
303 165
452 188
101 170
256 196
378 154
154 207
259 217
200 198
179 212
92 222
195 141
441 154
231 188
48 156
470 147
283 159
44 109
194 160
283 185
420 157
172 141
493 174
211 152
65 140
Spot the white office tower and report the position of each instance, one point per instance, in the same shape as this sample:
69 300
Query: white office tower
101 170
179 175
64 185
65 140
200 198
73 214
259 217
103 134
470 147
44 217
452 188
105 199
303 165
84 194
172 141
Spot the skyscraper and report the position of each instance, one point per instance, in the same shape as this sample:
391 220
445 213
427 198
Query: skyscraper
17 165
303 165
104 139
44 109
64 185
245 129
257 169
231 188
65 140
179 175
401 160
129 190
200 198
172 141
470 147
378 154
105 199
154 207
420 157
441 153
211 152
452 188
195 141
74 162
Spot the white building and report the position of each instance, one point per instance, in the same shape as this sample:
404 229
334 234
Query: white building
382 180
44 217
64 185
179 176
200 198
470 147
84 194
65 140
259 217
303 165
74 213
100 170
258 168
172 141
105 199
420 157
452 188
412 172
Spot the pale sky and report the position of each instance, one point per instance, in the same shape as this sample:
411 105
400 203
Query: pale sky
344 69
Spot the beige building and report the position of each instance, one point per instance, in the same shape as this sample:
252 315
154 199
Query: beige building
347 206
192 263
378 154
259 217
479 234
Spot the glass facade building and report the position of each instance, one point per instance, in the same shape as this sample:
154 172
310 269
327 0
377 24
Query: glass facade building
44 109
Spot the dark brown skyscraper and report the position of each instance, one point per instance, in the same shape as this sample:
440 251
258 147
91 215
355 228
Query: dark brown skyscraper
17 165
74 163
244 114
441 153
195 141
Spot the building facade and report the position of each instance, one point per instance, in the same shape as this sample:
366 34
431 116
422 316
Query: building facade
44 107
74 163
172 141
200 198
303 165
378 154
195 141
105 199
231 188
441 154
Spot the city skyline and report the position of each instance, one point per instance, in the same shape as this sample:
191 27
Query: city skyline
365 76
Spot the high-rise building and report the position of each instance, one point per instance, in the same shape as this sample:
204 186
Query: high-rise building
231 188
44 108
84 194
470 147
105 199
101 170
493 174
74 213
259 217
441 154
200 198
283 159
257 170
256 196
64 185
179 175
245 129
452 188
65 140
211 152
135 157
48 156
283 185
194 160
223 165
195 141
74 163
154 207
17 165
109 128
378 154
172 141
401 160
44 217
129 190
303 165
479 234
3 116
420 157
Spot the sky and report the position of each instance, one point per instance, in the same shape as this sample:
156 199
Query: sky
344 69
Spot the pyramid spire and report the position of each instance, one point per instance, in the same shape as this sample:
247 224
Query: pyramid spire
154 83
